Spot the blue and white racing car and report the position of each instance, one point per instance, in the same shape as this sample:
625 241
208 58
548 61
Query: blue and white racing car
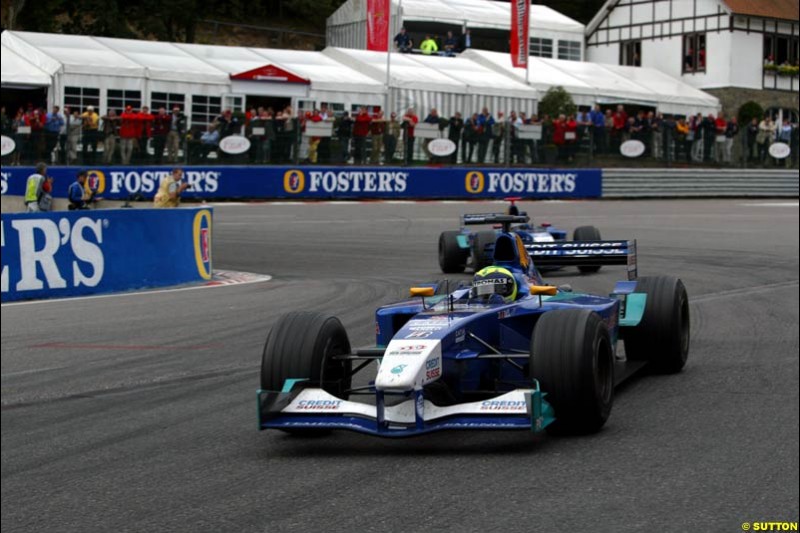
459 249
503 352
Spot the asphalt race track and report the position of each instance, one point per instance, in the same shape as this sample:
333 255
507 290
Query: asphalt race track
137 412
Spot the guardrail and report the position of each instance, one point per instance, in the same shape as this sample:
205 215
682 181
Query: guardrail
76 253
699 183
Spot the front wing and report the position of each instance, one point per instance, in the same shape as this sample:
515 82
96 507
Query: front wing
314 408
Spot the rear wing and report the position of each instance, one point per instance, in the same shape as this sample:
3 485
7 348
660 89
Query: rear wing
475 219
585 253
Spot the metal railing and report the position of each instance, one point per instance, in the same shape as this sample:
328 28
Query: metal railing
506 146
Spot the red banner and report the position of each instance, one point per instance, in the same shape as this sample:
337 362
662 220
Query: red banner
378 25
520 12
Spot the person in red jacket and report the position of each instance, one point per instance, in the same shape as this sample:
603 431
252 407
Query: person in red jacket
559 129
410 120
313 143
161 125
145 131
620 123
128 133
571 137
720 125
361 127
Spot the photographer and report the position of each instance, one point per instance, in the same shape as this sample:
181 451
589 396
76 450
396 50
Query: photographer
76 194
169 192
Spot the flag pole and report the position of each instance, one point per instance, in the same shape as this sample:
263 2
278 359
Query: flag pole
528 44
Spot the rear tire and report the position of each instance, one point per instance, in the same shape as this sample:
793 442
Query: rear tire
587 233
452 258
479 242
572 359
662 337
301 345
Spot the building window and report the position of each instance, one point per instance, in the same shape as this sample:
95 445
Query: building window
570 50
780 51
694 53
118 99
81 97
205 109
630 53
541 47
167 100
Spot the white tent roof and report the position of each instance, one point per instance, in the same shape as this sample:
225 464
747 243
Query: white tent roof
324 72
542 75
405 71
674 95
476 77
79 54
166 61
20 72
590 83
476 14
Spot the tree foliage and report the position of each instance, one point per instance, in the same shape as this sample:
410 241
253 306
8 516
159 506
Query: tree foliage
168 20
556 101
749 111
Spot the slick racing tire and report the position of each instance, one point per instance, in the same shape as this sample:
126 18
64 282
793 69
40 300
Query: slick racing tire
479 242
572 359
452 258
662 337
587 233
301 345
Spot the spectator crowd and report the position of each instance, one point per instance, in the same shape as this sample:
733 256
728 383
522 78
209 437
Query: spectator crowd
139 136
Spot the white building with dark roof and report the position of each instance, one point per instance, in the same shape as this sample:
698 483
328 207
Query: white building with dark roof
738 50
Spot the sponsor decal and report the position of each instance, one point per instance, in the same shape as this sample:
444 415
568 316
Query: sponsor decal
503 405
433 368
441 147
461 336
399 369
411 349
632 148
4 183
530 182
505 313
234 144
41 239
294 181
419 334
95 181
202 242
420 405
8 145
780 150
148 181
352 181
474 182
319 405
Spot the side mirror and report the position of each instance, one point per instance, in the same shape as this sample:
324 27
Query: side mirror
422 291
543 290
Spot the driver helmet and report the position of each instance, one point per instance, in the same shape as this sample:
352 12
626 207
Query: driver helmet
495 280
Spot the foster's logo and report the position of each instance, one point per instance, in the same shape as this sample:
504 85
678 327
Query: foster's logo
294 181
474 182
95 181
202 242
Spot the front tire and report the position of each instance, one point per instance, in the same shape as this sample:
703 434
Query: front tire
452 259
662 337
301 345
572 359
587 233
